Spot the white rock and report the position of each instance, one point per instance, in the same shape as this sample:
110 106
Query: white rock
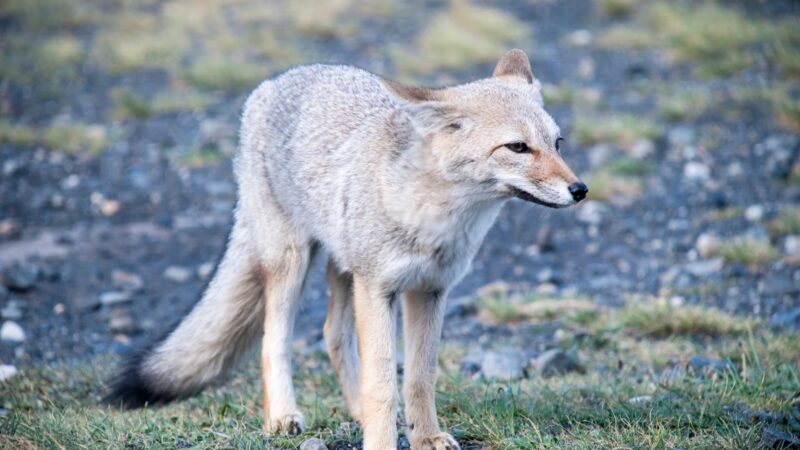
177 274
643 148
7 372
579 38
591 212
205 270
640 400
791 245
707 245
313 444
696 171
704 268
754 213
112 298
12 332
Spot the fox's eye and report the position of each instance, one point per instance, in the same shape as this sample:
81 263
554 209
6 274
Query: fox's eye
518 147
558 143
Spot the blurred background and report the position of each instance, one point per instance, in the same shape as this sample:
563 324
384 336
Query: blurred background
118 119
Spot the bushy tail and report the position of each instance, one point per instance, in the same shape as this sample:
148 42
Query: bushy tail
220 328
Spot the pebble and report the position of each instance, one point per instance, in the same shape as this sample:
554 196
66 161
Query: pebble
9 227
640 400
592 212
126 280
600 155
471 364
313 444
779 440
702 364
112 298
7 372
177 274
579 38
707 245
754 213
21 277
12 332
705 267
505 365
205 270
696 171
122 321
789 320
109 207
680 136
642 148
791 245
11 311
556 362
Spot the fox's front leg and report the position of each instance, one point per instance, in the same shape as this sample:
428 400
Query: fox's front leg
376 316
423 313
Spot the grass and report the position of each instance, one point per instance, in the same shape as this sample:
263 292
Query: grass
460 37
787 223
749 251
676 106
620 129
617 8
221 73
623 401
606 186
502 309
69 138
631 167
718 40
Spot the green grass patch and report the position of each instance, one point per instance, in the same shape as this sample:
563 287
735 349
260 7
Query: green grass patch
606 186
69 138
787 223
623 401
720 40
460 37
502 309
619 129
683 105
631 167
617 8
749 251
219 73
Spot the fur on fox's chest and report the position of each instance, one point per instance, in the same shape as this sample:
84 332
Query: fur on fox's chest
434 254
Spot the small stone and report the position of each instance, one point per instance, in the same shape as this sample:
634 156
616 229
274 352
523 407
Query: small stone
779 440
59 308
642 148
205 270
70 182
754 213
21 277
122 322
126 281
113 298
503 365
778 283
7 372
471 364
680 136
592 212
788 321
579 38
544 239
696 171
546 289
708 245
705 267
495 289
9 227
701 364
12 332
640 400
556 362
109 207
313 444
791 245
600 155
11 311
177 274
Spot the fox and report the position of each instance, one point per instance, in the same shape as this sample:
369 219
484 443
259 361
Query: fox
399 185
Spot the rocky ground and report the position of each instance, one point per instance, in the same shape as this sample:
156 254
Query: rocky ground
116 132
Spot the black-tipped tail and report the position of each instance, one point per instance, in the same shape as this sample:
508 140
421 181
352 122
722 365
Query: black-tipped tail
130 389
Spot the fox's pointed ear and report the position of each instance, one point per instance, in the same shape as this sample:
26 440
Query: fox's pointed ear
514 63
426 108
412 94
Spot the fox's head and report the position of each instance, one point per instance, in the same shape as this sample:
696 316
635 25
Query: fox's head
494 136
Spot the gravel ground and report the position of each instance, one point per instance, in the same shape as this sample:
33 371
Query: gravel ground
101 252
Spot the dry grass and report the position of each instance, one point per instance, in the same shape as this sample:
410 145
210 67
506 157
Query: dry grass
617 8
749 251
622 130
660 320
787 223
460 37
676 106
70 138
605 186
503 309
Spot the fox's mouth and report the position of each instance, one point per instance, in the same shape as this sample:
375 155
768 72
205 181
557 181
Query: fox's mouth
528 197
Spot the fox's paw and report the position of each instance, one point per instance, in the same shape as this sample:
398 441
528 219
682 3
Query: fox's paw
291 424
441 441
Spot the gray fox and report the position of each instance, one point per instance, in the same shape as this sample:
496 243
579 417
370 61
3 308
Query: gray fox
399 185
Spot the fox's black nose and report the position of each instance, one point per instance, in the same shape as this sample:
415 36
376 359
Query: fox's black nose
578 191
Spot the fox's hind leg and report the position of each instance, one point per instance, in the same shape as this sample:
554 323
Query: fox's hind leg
340 337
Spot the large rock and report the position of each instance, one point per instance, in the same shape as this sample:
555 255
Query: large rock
789 320
779 440
21 277
7 372
11 311
505 365
556 362
12 332
313 444
704 268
